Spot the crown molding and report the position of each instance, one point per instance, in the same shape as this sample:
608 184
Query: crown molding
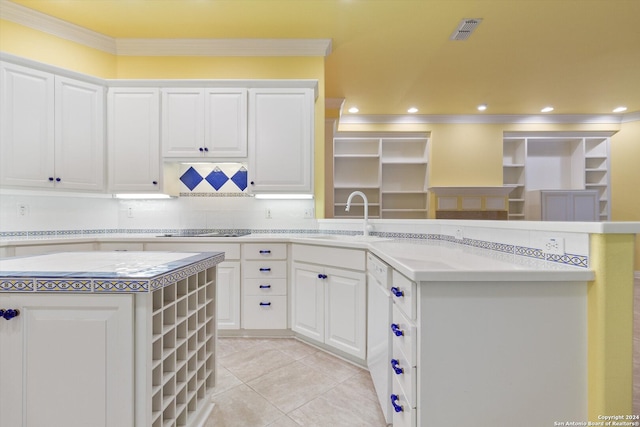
161 47
491 118
18 14
223 47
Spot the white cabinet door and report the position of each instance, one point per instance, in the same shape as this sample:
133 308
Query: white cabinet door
66 360
79 135
52 131
27 127
307 302
281 140
228 295
134 140
204 123
182 122
346 318
225 130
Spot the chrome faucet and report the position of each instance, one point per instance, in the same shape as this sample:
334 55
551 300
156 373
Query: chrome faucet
366 209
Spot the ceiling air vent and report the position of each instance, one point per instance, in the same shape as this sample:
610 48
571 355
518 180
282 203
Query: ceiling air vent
465 28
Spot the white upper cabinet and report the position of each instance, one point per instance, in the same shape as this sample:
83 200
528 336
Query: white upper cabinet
134 140
52 131
281 140
204 123
79 140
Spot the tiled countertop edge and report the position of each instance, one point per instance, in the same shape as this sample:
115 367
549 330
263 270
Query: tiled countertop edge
88 284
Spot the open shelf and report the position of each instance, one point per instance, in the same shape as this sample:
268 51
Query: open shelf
555 161
182 368
390 168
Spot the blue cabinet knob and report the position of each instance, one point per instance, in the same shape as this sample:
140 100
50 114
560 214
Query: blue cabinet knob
396 407
396 330
58 179
10 313
397 292
51 178
155 182
394 364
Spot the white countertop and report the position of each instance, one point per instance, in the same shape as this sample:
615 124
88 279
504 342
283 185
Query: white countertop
420 260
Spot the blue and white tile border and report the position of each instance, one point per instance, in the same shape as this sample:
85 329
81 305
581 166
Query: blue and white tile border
105 284
537 253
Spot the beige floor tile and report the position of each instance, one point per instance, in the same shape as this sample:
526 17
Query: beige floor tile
284 422
228 345
362 384
334 409
254 362
292 386
225 380
332 366
294 348
242 407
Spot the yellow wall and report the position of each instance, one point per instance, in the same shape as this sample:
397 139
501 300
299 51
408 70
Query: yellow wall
625 177
25 42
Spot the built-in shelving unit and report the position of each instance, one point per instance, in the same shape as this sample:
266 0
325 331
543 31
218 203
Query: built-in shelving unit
182 349
556 161
391 169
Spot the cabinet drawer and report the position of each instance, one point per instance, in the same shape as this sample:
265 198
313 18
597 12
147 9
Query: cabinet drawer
404 415
264 269
403 293
264 251
353 259
405 374
265 287
264 312
403 336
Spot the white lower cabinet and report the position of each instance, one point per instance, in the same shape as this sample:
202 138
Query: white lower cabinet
67 360
328 304
228 280
264 286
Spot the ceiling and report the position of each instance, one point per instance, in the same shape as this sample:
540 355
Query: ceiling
580 56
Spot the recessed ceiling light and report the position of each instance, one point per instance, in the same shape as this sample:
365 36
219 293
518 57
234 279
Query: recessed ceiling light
547 109
482 107
353 110
412 110
619 109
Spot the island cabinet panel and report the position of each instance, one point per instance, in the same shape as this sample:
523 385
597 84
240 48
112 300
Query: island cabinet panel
66 360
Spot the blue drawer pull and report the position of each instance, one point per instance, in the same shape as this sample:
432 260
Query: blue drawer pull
265 303
265 251
396 368
322 276
9 313
265 269
265 286
396 330
397 292
396 407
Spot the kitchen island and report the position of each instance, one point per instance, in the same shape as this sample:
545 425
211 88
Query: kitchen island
110 339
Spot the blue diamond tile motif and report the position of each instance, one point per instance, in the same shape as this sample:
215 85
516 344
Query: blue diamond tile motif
191 178
217 178
240 178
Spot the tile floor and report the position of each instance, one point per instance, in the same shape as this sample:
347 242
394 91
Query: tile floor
282 382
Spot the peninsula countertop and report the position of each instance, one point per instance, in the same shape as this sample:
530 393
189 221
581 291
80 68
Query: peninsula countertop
101 271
